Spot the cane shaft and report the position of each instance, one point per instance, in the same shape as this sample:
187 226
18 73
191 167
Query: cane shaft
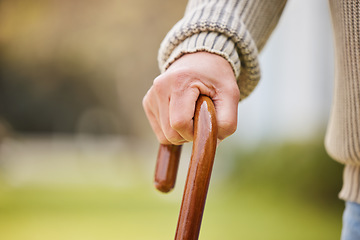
201 163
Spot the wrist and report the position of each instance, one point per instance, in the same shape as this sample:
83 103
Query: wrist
210 42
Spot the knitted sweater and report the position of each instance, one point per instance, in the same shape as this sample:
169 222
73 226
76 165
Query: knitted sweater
238 29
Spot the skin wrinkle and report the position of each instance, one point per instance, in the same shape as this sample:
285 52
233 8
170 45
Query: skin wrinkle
182 122
184 81
150 112
156 127
183 75
226 127
160 90
186 78
207 90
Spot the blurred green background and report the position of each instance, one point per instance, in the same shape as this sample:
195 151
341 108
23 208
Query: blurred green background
77 154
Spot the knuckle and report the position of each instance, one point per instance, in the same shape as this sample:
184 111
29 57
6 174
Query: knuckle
182 73
145 101
227 128
158 85
173 137
178 123
181 77
162 139
178 80
234 91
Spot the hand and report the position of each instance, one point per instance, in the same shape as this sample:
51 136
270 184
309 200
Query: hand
170 102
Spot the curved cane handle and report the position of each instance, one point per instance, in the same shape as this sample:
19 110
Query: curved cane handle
166 167
198 178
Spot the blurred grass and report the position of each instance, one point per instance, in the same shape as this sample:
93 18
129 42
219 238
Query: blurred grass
299 168
139 213
277 191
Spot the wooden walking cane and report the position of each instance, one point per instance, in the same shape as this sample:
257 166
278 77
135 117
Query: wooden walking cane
198 178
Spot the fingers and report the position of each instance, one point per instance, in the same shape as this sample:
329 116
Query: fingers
182 108
170 102
171 134
170 117
226 105
151 111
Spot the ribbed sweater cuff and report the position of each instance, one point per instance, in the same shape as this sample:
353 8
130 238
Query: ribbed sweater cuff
221 20
351 184
211 42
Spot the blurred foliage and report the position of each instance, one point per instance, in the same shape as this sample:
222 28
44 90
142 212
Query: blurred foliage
93 212
61 60
303 169
97 189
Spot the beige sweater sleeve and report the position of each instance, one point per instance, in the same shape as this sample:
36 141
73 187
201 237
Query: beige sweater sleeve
343 133
234 29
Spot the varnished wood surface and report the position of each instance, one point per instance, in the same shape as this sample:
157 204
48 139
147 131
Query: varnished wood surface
200 168
167 167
